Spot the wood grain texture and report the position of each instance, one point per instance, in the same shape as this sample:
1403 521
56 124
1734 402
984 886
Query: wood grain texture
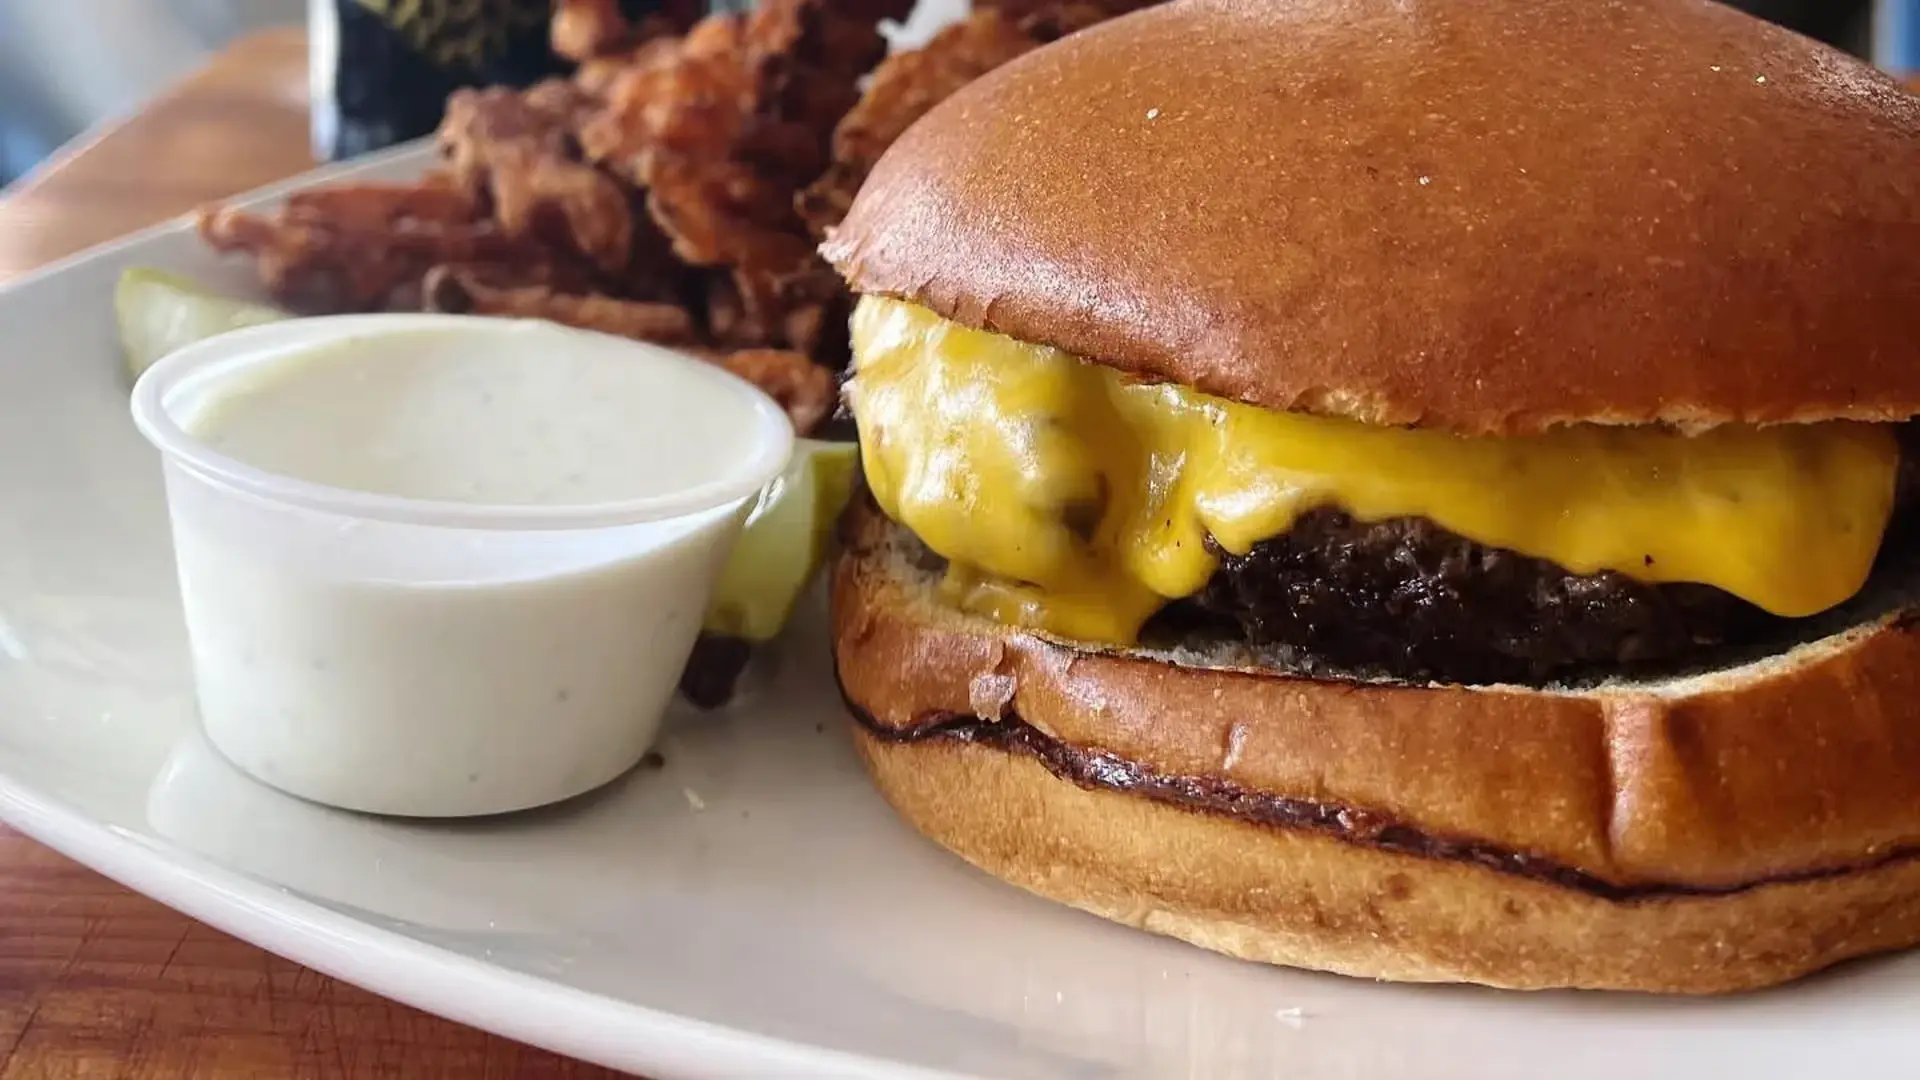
236 124
97 981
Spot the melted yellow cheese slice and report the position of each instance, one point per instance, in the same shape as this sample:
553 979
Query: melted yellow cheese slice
1069 498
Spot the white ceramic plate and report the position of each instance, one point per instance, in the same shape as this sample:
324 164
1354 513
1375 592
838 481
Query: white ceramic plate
750 910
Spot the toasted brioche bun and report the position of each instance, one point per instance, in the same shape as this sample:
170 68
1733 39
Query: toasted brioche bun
1477 215
1708 834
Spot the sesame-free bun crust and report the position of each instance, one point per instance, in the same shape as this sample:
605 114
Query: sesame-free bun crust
1479 215
1301 900
1704 835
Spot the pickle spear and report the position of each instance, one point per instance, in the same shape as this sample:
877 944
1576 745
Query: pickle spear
159 312
787 537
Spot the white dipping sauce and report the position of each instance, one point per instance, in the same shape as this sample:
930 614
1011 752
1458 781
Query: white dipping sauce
427 416
465 603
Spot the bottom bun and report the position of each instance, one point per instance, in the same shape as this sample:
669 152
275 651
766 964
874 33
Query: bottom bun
1063 771
1287 897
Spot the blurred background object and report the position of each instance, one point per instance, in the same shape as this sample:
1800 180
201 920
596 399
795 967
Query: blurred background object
1846 23
1896 37
70 65
382 71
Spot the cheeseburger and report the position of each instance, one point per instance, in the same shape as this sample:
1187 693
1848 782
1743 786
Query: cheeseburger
1410 488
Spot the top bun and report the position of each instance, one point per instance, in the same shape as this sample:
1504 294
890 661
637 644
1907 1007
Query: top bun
1486 216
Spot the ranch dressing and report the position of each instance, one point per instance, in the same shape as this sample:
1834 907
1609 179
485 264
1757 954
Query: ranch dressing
422 416
504 623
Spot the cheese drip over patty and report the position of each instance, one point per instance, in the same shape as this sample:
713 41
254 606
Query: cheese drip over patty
1070 498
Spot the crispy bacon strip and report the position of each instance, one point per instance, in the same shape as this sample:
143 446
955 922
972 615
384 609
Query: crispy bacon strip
723 131
517 152
466 291
369 207
673 190
587 30
597 77
311 264
904 88
584 29
907 85
805 389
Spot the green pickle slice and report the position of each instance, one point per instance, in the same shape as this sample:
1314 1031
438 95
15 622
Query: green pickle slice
159 313
788 533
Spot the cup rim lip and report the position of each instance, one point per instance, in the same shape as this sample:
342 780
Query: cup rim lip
766 426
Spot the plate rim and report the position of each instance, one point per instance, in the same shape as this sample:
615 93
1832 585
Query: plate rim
524 1007
266 193
432 978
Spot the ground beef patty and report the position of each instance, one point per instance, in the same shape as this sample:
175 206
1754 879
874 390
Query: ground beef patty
1408 599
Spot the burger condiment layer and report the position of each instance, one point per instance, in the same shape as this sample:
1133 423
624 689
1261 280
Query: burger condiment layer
1068 497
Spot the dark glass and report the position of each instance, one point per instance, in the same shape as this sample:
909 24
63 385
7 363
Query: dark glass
1843 23
383 68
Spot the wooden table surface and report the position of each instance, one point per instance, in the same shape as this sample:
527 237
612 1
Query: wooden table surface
97 981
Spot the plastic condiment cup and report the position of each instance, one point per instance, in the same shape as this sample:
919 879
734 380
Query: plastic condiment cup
437 658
